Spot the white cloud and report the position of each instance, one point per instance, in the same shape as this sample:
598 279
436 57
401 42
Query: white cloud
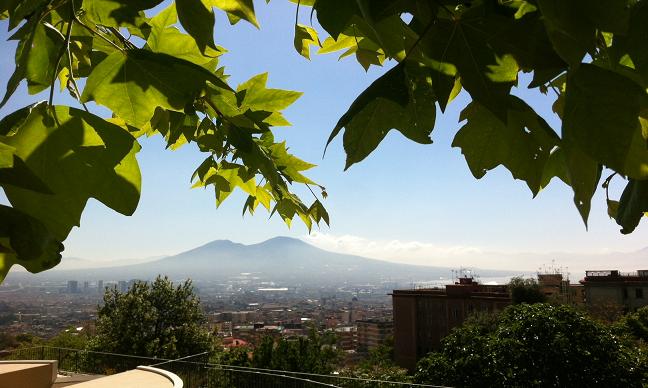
411 252
425 253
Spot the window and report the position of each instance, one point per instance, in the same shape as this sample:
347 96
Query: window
625 293
639 293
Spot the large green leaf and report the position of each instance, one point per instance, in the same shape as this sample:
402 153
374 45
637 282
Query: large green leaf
336 15
633 205
637 38
133 83
166 39
236 10
198 20
521 144
584 174
402 98
258 97
117 13
78 156
601 117
24 240
579 171
468 41
571 32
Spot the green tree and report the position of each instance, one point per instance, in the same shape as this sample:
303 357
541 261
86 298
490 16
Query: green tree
535 345
526 291
588 58
154 319
69 338
379 365
312 354
635 324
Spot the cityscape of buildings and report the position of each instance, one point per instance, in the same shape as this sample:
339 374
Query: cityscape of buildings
242 310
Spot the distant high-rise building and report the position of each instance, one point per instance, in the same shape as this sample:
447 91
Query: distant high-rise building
122 286
422 317
100 287
86 286
72 286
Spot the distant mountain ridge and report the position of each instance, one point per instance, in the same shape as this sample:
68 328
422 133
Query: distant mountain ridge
283 259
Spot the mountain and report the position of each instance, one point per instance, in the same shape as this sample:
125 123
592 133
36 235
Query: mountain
282 259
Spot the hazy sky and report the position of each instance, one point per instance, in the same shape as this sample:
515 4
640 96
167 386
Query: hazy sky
404 193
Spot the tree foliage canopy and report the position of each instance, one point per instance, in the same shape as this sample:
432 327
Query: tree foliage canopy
589 57
312 354
154 319
525 291
535 345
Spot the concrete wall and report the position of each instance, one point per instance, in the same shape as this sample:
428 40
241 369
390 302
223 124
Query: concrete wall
32 374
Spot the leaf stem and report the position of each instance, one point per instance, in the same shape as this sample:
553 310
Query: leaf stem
606 185
419 39
66 45
96 33
312 192
297 13
74 83
122 39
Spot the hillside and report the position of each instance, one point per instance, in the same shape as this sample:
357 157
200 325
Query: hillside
278 259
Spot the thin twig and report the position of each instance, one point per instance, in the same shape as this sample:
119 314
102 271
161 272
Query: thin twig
65 45
124 41
76 19
606 185
71 78
71 75
312 192
297 13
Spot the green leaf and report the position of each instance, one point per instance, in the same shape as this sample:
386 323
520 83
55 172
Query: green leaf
36 57
6 156
402 99
336 15
236 10
637 38
290 165
27 242
522 144
601 117
78 156
572 34
342 42
584 174
117 13
318 212
468 42
169 40
133 83
257 96
198 20
304 38
632 205
225 177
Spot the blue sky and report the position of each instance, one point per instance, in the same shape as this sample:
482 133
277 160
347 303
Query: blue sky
404 193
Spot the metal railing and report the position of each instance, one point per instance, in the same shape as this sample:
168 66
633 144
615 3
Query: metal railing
194 374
